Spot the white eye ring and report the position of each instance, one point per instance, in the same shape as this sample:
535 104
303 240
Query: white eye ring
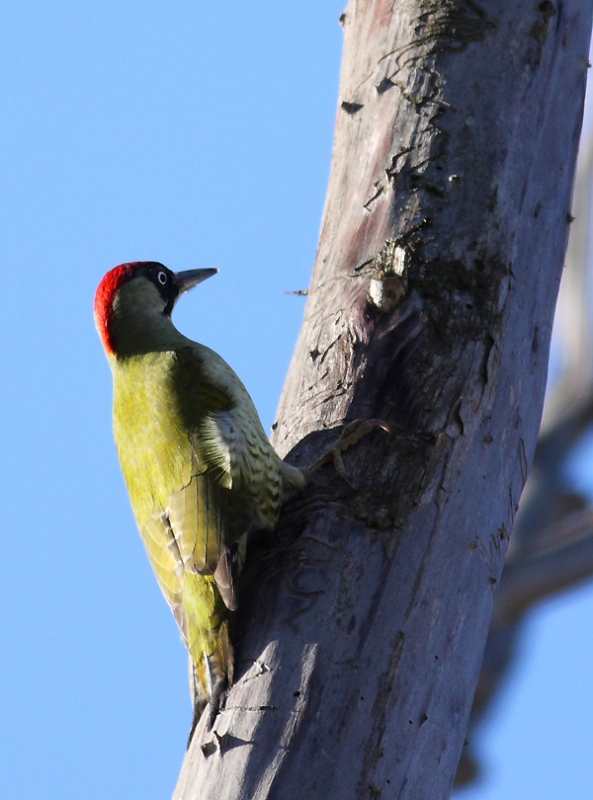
162 278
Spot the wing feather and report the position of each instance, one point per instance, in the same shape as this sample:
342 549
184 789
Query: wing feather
208 475
167 564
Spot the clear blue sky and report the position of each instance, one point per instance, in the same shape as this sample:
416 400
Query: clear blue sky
197 134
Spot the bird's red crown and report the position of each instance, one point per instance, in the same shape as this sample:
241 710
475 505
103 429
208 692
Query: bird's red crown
105 295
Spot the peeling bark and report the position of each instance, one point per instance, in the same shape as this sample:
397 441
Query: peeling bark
361 631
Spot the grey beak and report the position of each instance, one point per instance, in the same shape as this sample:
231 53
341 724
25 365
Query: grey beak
191 277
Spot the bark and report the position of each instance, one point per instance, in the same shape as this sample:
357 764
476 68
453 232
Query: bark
361 631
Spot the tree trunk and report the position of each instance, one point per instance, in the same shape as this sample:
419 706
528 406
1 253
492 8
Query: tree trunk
361 631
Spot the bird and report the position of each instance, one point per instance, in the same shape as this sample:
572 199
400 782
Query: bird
200 471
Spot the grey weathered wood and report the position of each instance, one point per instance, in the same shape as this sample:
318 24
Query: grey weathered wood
430 306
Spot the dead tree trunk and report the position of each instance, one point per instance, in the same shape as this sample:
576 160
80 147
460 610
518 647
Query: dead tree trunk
430 307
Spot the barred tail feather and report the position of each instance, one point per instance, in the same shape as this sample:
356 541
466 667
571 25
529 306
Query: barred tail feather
211 653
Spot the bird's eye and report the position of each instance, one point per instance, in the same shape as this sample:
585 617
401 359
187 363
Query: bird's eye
162 277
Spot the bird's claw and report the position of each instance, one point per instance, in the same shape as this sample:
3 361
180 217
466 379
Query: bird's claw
352 433
335 455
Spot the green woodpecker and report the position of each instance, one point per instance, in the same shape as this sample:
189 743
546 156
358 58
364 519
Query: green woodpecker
198 466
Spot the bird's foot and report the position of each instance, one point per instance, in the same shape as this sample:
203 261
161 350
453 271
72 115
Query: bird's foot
352 433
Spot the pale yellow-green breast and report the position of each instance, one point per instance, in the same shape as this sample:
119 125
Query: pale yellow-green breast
155 451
